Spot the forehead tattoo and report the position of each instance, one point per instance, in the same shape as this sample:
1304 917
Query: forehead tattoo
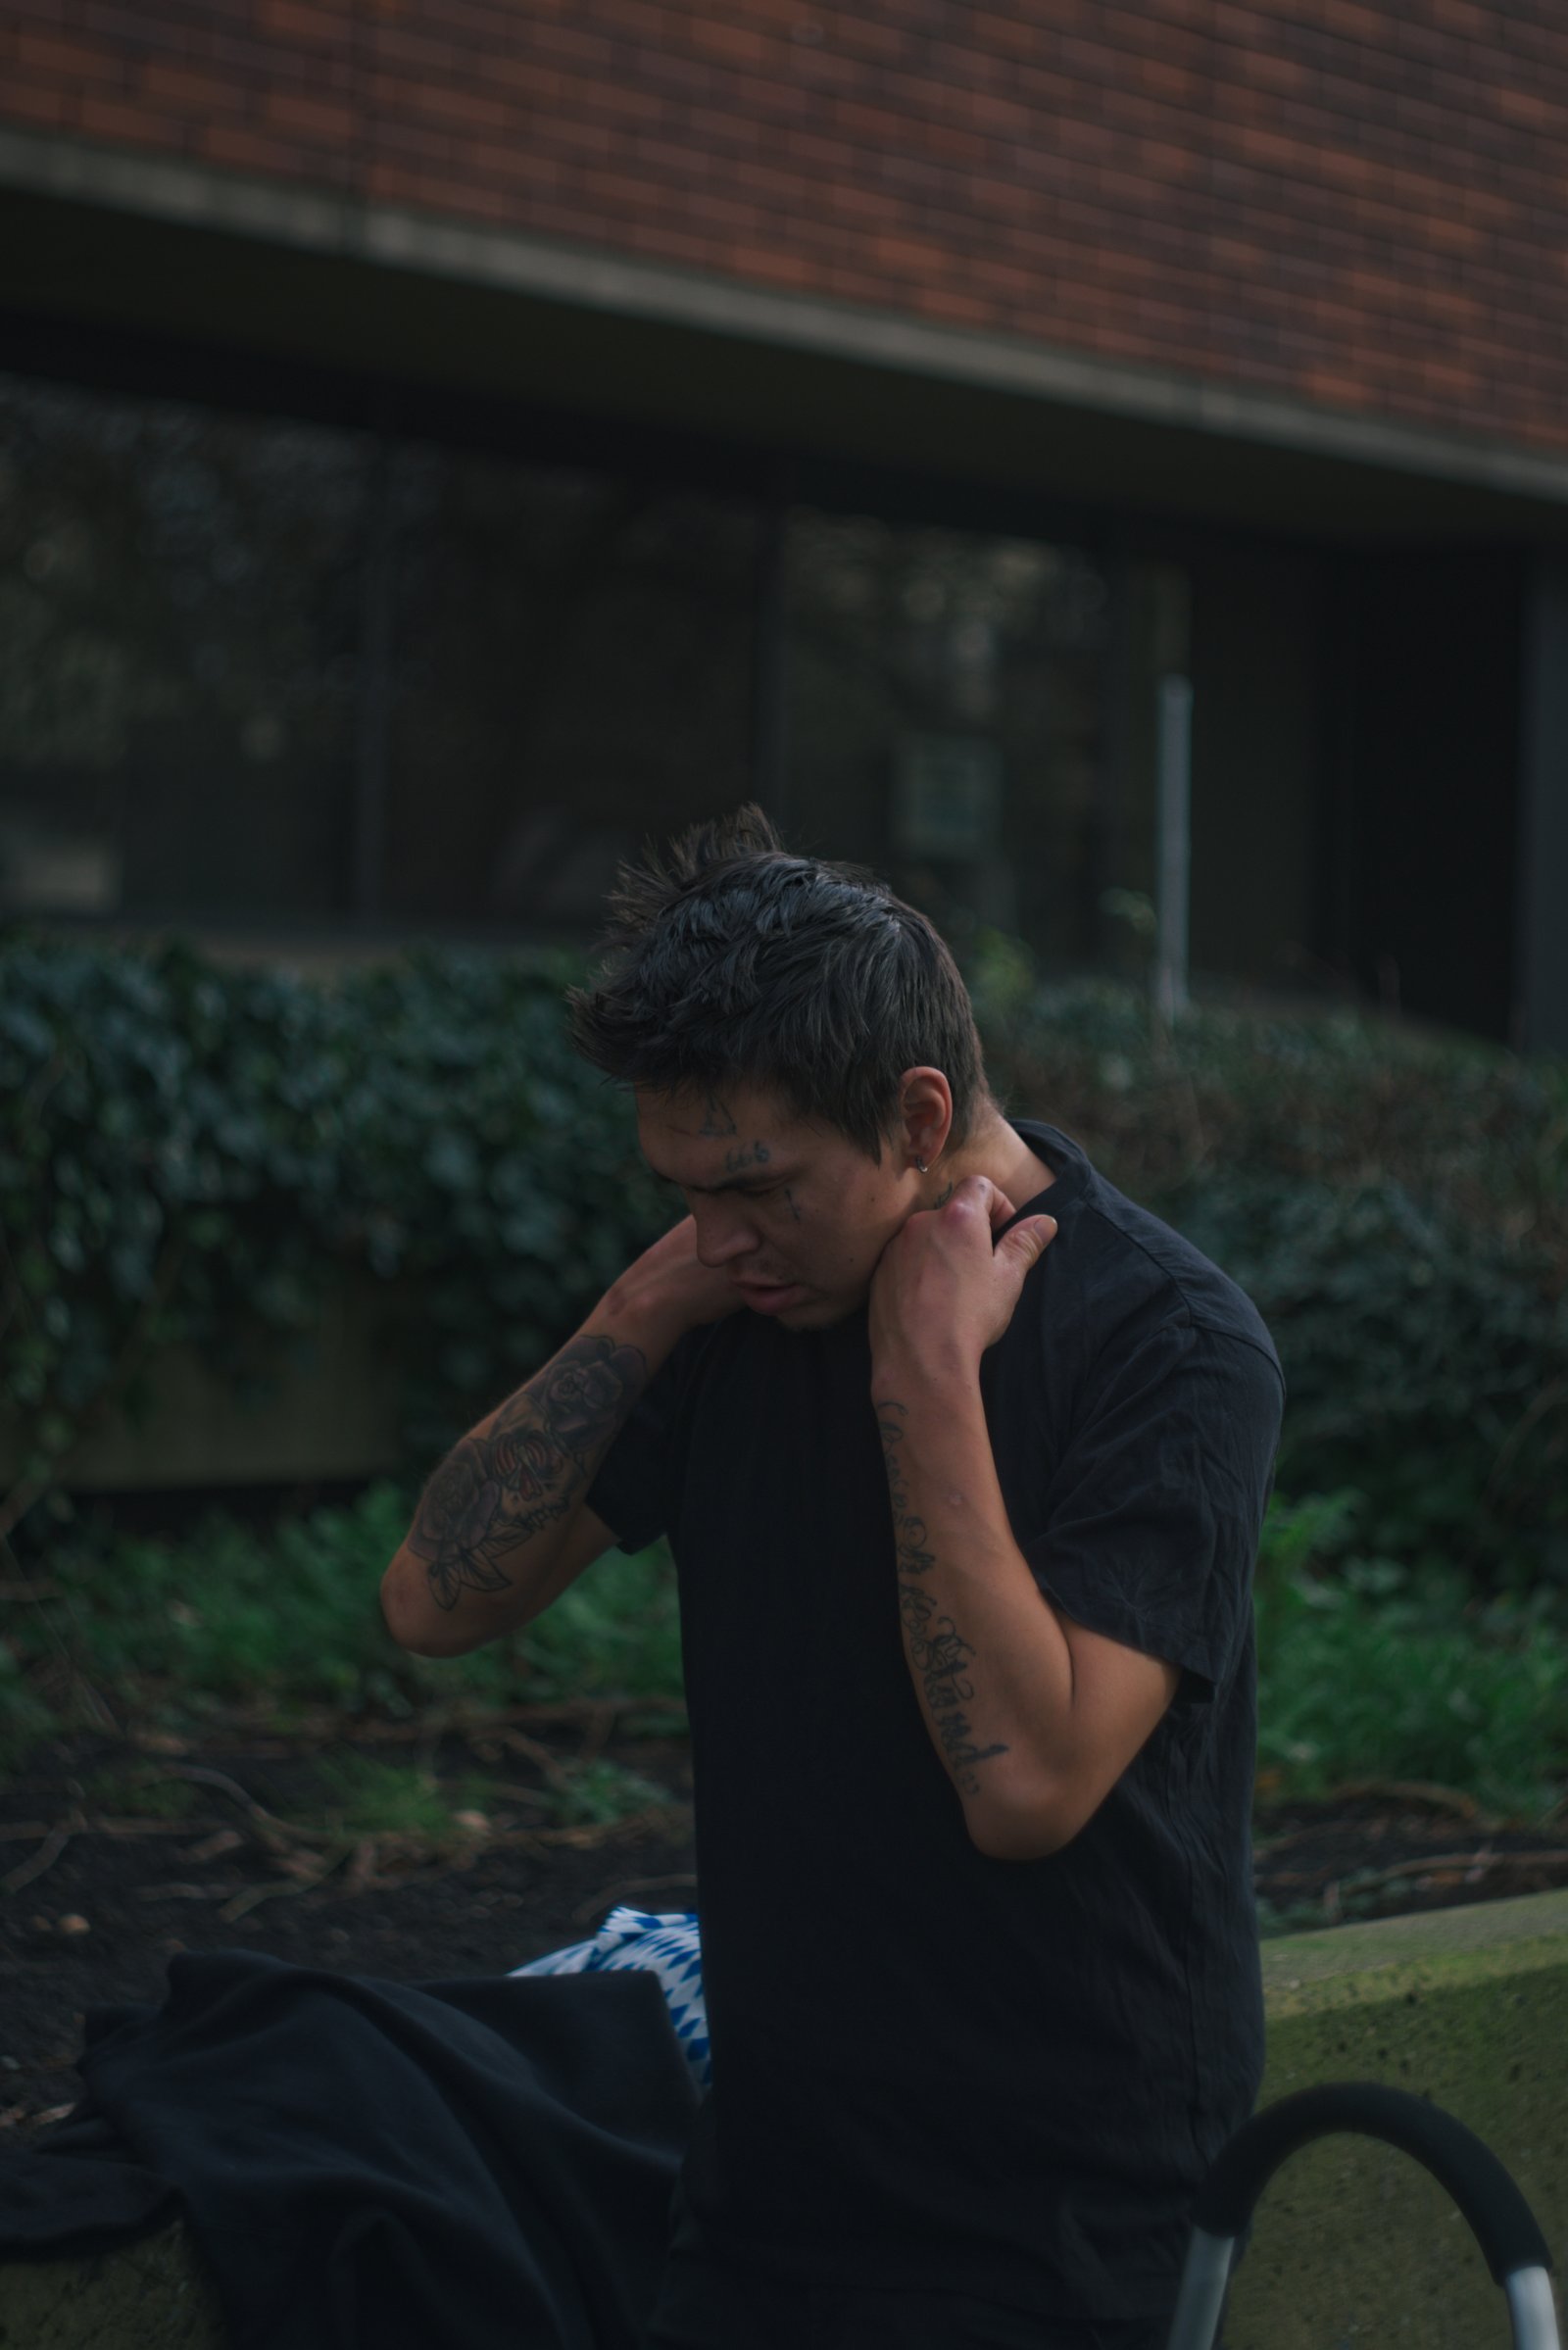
717 1120
743 1164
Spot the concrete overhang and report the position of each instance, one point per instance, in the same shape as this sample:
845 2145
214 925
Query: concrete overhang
105 238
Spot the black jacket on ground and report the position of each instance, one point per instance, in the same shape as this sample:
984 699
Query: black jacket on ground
378 2166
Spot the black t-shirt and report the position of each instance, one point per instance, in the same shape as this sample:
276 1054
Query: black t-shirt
931 2068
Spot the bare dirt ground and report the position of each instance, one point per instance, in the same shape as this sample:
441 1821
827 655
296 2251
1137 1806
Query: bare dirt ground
115 1854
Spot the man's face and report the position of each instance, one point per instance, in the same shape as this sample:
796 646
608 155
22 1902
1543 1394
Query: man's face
777 1201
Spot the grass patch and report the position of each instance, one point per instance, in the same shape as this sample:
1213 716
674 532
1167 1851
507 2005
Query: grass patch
359 1795
1370 1670
143 1797
1367 1668
596 1794
291 1618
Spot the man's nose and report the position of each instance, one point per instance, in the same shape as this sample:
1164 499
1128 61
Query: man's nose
723 1237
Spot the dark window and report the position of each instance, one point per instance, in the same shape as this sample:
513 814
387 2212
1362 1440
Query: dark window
252 669
179 615
571 671
943 719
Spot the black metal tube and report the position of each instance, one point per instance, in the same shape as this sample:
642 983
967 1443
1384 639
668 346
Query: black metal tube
1502 2222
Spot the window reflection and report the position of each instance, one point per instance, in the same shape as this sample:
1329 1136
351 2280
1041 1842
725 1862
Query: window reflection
179 625
252 668
572 672
943 724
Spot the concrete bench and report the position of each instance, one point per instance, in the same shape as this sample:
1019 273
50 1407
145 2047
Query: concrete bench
1353 2245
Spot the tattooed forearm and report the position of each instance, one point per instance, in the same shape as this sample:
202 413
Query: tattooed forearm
494 1493
909 1530
939 1655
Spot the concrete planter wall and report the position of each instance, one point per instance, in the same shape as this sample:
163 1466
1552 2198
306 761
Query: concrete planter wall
1352 2243
332 1415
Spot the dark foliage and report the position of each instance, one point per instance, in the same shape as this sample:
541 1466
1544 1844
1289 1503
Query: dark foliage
189 1151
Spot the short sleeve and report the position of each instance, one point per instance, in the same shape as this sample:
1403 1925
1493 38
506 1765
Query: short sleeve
636 1490
1154 1515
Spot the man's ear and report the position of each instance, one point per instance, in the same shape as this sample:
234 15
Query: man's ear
925 1114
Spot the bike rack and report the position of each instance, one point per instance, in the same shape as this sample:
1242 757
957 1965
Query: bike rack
1501 2220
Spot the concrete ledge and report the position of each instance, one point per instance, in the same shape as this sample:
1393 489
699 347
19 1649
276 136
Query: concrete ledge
332 1410
1352 2244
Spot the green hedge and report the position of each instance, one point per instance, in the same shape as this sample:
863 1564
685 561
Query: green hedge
1395 1201
187 1150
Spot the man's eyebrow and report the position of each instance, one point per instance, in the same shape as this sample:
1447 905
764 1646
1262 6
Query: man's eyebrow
763 1179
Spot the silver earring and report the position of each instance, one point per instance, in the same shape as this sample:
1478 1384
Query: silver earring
924 1169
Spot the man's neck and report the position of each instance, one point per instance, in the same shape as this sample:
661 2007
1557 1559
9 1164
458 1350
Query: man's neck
1000 1152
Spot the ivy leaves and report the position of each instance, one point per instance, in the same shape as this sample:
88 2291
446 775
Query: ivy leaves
189 1152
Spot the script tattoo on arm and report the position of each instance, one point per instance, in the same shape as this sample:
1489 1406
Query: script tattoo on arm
939 1655
494 1493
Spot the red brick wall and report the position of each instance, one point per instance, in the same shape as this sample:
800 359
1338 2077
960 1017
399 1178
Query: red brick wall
1361 203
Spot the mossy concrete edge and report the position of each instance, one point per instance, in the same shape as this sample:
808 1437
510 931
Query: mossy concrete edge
1354 2243
1305 1973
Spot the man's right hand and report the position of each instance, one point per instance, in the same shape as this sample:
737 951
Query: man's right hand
669 1288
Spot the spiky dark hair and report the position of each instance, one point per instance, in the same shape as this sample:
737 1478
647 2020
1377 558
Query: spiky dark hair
729 960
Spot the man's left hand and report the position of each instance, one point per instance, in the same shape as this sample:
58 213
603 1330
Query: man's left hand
943 1290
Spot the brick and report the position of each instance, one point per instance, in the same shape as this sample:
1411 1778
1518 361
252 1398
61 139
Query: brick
311 117
1488 25
1178 83
735 44
867 126
128 124
638 20
625 101
996 117
520 162
730 216
75 62
659 241
421 191
191 92
907 255
461 109
573 46
771 264
394 45
1549 115
423 146
32 102
245 149
298 20
579 137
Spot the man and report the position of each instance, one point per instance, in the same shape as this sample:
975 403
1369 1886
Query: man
962 1458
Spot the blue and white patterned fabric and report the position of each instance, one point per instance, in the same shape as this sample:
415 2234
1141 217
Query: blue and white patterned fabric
667 1946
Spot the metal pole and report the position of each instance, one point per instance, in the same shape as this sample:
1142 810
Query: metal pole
1530 2309
769 761
1202 2298
373 734
1174 822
